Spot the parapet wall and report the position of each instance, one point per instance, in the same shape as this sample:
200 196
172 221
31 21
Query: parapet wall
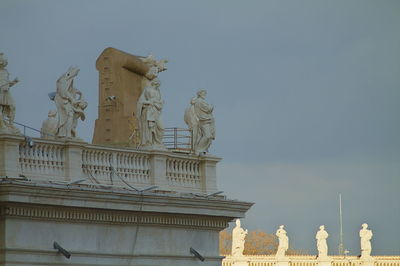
309 260
68 161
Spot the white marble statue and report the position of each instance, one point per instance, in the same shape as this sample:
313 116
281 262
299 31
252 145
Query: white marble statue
49 126
365 237
149 107
238 239
283 245
70 104
200 120
7 105
155 66
322 245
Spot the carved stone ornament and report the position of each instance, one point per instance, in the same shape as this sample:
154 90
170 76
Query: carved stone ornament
200 119
238 239
7 105
70 105
283 242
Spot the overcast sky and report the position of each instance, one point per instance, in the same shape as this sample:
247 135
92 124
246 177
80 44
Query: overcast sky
306 96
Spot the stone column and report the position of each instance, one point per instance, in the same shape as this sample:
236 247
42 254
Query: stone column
73 160
9 155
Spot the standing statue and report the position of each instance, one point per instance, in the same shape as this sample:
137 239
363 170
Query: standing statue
366 236
200 120
49 126
322 245
283 242
149 107
7 105
238 239
70 104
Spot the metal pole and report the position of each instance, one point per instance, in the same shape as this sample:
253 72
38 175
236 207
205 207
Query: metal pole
341 245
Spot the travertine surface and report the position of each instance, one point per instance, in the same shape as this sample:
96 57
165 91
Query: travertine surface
322 245
109 227
238 239
122 78
70 105
283 245
7 105
200 119
365 242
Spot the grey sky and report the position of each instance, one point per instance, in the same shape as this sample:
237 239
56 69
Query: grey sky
306 94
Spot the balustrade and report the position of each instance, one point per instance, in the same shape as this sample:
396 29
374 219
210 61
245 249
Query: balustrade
184 173
42 159
52 160
309 260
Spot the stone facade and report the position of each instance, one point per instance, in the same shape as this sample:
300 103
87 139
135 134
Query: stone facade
93 201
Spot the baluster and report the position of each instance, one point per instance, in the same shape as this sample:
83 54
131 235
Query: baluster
130 167
140 167
184 172
135 166
21 157
46 159
146 167
40 159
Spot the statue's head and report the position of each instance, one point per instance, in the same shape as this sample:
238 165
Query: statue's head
72 72
238 222
202 93
364 226
281 226
3 60
322 227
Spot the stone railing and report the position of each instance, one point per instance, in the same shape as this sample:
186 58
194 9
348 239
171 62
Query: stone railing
308 260
67 161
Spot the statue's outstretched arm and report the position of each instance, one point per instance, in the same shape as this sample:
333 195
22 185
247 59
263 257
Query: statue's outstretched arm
15 81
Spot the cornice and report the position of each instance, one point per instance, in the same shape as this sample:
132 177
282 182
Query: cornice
87 197
75 215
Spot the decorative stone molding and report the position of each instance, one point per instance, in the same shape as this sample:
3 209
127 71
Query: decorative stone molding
68 215
310 260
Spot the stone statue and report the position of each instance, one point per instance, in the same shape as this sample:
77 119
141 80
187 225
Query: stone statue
155 66
238 239
49 126
366 236
200 120
7 105
149 107
70 104
283 242
322 245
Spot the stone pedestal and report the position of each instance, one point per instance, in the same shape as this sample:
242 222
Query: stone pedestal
324 261
109 226
367 261
240 262
282 261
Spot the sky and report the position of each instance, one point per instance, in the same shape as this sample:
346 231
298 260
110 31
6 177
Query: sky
306 96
